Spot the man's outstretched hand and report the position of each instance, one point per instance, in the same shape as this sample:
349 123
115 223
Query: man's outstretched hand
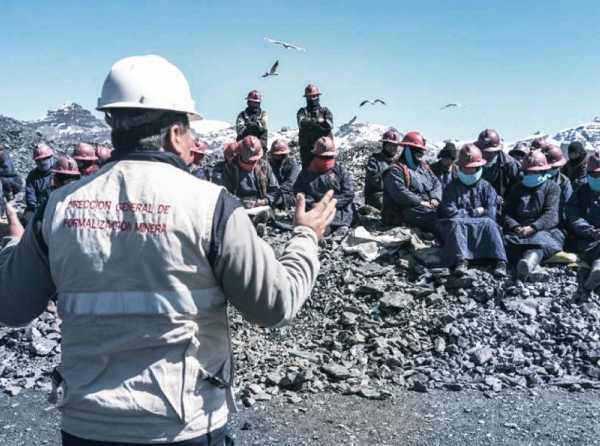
15 228
319 217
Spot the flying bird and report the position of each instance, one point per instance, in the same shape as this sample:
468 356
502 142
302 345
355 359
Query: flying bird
272 71
451 105
287 46
376 101
352 121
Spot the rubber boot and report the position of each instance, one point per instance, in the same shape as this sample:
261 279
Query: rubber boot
500 270
461 268
593 280
531 259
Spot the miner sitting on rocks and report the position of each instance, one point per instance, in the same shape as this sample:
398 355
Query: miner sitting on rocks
411 191
468 217
39 180
557 160
519 152
286 169
583 213
377 165
323 174
12 184
253 120
251 178
576 168
445 167
86 158
500 170
532 216
229 156
314 121
196 168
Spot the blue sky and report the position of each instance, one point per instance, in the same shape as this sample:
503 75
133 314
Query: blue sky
518 66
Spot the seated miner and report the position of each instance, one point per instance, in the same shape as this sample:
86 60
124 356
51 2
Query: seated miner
500 170
583 213
12 183
576 167
445 167
39 181
64 171
411 191
324 174
286 170
532 216
229 156
85 156
519 152
377 165
557 160
199 152
250 177
253 120
103 154
467 215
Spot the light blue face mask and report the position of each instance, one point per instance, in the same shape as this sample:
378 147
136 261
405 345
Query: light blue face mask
534 179
45 164
410 159
469 179
553 172
594 183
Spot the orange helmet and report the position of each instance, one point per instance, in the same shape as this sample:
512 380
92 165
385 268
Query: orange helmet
65 165
324 146
84 152
42 151
470 156
280 147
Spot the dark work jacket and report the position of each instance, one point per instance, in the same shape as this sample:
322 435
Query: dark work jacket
583 216
310 129
566 190
467 236
377 165
503 174
201 172
252 122
315 185
537 207
216 174
250 186
444 175
7 168
37 188
576 171
401 201
286 172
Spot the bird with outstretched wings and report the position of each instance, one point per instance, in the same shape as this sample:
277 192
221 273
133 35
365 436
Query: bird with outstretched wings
287 46
374 102
451 105
273 70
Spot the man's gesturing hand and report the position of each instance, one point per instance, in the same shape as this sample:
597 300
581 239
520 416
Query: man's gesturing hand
319 217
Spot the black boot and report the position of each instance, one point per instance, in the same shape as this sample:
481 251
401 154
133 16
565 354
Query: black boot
500 270
461 268
531 259
593 280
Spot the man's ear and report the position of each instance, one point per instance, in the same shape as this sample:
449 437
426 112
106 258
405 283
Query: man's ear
174 138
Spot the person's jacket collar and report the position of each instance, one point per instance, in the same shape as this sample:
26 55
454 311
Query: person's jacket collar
149 155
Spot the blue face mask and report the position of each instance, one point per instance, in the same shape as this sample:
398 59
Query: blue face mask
44 165
594 183
410 159
469 179
553 172
491 162
534 179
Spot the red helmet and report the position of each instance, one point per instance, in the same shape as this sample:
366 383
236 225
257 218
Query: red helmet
65 165
103 153
280 147
520 147
200 147
84 152
311 90
254 96
535 161
42 151
391 136
540 143
414 139
489 141
594 163
230 150
554 155
324 146
250 149
470 156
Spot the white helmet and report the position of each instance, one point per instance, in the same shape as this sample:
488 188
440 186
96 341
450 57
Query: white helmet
147 82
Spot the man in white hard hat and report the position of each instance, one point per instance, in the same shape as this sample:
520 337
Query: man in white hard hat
144 258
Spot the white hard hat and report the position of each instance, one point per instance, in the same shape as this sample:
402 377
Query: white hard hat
147 82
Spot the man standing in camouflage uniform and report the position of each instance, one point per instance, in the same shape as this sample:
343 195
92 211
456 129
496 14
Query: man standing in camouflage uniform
314 122
253 120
